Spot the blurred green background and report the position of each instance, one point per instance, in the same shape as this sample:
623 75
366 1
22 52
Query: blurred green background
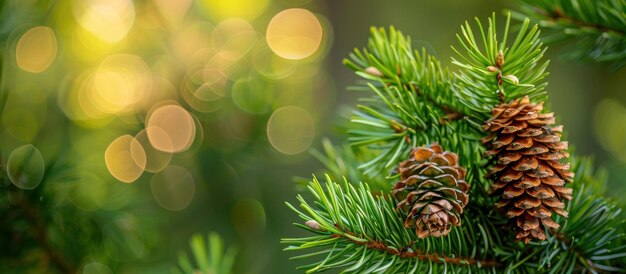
158 119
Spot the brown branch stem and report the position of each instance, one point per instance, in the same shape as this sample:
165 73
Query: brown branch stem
41 236
408 252
558 14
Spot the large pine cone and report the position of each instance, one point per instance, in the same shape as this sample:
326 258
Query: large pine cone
529 173
431 193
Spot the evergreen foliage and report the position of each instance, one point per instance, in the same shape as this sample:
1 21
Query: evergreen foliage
209 256
595 29
416 101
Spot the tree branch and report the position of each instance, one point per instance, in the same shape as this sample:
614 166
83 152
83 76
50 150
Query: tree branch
449 113
408 252
557 14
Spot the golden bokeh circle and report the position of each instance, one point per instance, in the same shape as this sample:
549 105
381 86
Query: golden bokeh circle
156 160
125 159
290 130
170 128
36 49
234 35
107 20
294 34
221 9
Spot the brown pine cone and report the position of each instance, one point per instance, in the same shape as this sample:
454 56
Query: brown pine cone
431 193
529 173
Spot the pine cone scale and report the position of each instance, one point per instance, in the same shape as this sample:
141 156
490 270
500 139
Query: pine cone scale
529 174
431 193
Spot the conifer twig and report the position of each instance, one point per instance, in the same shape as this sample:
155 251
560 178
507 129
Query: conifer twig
596 29
557 14
409 252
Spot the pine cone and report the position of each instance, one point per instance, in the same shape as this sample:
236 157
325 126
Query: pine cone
528 171
431 193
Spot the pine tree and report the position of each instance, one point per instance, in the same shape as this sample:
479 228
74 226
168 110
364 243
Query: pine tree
356 225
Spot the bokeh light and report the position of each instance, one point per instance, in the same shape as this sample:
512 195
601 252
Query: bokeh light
294 34
118 85
75 103
173 11
173 188
170 128
204 95
246 9
156 160
120 82
291 129
252 95
25 167
36 49
125 159
108 20
271 65
191 40
234 35
294 2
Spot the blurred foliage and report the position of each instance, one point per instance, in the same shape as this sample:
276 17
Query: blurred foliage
124 121
209 255
595 29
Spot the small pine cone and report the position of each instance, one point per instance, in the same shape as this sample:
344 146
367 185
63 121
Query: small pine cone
431 193
528 173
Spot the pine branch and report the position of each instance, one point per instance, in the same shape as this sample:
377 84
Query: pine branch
492 72
597 29
365 233
390 60
418 101
407 252
415 103
356 225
